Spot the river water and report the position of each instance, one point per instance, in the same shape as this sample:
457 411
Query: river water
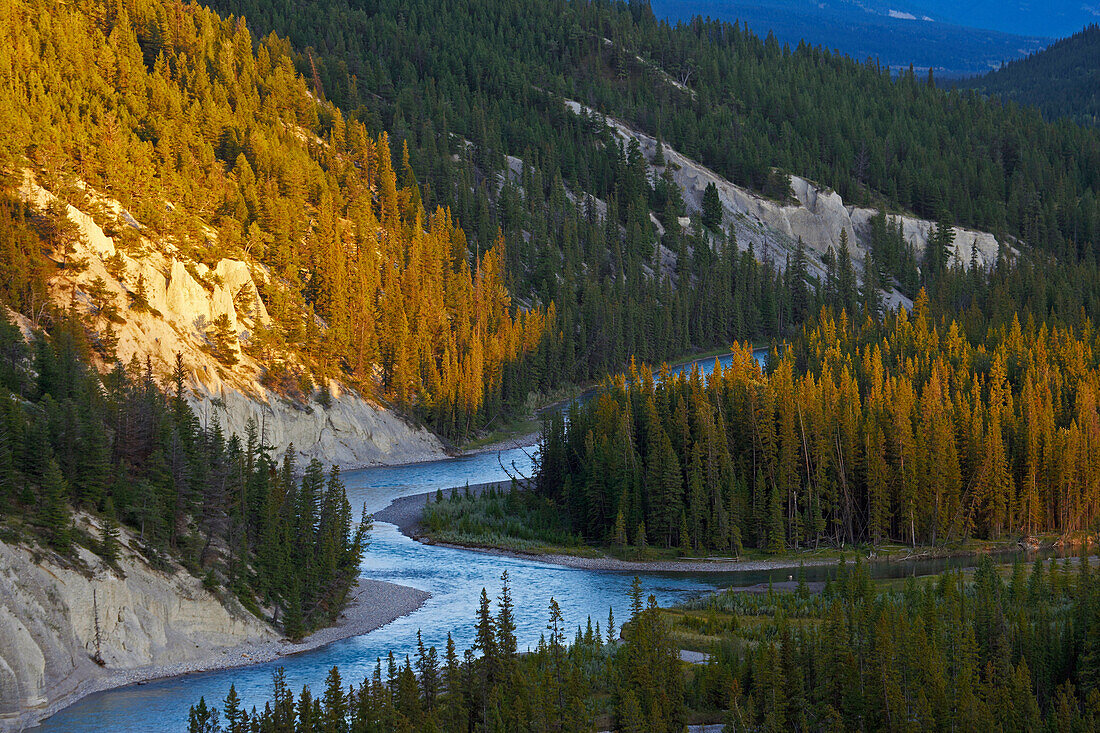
454 578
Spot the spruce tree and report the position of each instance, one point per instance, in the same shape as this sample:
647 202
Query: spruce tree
505 621
223 340
775 534
109 542
293 620
659 154
201 719
712 207
235 716
685 535
334 719
618 533
54 513
846 282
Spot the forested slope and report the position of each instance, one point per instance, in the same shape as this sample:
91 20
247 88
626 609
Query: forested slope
491 71
149 164
479 92
214 147
1063 80
909 430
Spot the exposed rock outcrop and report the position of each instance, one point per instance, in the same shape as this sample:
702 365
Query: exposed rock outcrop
818 217
49 608
183 299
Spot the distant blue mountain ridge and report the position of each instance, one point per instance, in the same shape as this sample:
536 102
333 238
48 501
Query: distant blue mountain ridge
954 39
1052 18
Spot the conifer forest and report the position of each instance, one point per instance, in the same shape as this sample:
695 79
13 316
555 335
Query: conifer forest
490 230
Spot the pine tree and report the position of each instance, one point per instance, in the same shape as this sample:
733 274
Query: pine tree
505 621
685 535
878 485
618 535
846 282
235 717
712 207
54 514
485 641
798 285
334 704
776 542
109 542
666 482
427 672
201 719
223 340
293 621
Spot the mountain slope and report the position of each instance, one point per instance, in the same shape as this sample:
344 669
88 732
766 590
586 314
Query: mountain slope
216 149
181 300
484 68
1063 80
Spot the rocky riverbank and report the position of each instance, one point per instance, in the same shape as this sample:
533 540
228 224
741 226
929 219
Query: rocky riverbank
373 605
150 625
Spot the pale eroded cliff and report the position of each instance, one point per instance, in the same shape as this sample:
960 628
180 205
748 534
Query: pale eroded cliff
818 216
147 618
184 297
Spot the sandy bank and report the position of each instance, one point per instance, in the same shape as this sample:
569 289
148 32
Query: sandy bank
408 511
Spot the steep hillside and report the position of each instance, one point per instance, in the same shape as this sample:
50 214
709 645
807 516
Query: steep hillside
475 90
1063 80
147 301
812 213
225 165
742 105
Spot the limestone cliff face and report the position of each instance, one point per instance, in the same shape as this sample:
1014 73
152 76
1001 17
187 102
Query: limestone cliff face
818 217
184 298
48 613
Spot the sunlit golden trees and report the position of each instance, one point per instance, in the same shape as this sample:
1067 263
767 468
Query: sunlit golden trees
215 143
905 431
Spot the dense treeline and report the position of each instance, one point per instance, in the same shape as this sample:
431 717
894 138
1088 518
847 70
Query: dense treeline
217 146
910 430
123 449
555 686
952 654
460 88
944 655
1061 80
